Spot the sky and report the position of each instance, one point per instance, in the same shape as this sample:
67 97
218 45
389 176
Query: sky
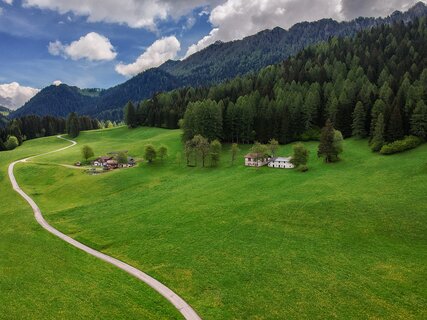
101 43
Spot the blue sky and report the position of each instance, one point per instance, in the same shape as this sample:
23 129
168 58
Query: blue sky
101 43
25 34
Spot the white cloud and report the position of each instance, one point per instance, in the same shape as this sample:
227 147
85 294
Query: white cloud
13 95
134 13
8 1
373 8
236 19
159 52
57 82
93 47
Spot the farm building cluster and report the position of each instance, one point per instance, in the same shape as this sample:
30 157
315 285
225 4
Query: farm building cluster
110 162
258 160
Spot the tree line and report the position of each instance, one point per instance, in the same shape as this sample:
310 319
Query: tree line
31 127
378 75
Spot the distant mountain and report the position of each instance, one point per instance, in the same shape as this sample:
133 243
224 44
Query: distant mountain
214 64
4 110
56 101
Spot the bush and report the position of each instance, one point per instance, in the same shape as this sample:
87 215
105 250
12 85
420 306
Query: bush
312 134
409 142
302 168
11 143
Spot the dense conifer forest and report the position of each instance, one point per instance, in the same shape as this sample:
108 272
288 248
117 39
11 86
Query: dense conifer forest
32 127
380 73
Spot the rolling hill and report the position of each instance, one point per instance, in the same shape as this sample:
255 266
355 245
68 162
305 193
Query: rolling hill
343 240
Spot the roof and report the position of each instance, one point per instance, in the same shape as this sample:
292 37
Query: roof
255 155
104 158
282 159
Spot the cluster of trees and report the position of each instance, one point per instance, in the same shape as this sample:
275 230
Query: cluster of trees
75 123
151 154
32 127
199 148
373 82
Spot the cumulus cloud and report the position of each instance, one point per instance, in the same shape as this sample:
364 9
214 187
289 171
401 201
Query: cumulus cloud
373 8
93 47
159 52
134 13
236 19
8 1
13 95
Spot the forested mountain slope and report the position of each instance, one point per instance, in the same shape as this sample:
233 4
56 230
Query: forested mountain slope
380 75
216 63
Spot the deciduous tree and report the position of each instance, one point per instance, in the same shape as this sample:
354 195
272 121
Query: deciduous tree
87 152
300 156
215 152
150 153
162 152
234 151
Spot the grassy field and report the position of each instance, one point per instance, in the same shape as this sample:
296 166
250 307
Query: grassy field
347 240
41 277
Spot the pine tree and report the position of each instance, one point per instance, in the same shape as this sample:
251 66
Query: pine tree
395 126
419 120
378 136
130 115
73 126
326 145
359 120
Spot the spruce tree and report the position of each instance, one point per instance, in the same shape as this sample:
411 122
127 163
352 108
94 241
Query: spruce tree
359 120
395 126
130 115
378 136
72 124
326 146
419 120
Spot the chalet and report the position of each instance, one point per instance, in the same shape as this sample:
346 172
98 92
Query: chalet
281 162
109 163
101 161
256 160
112 164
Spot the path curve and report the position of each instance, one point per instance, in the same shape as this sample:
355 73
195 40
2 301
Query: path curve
183 307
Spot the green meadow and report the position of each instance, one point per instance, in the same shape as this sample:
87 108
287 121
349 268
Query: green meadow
345 240
42 277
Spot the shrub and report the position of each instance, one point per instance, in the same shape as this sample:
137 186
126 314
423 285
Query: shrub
300 156
302 168
312 134
409 142
11 143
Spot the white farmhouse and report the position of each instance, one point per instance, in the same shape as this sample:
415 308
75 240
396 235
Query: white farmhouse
281 162
256 160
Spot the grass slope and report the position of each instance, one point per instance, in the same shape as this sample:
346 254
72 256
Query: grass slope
42 277
346 240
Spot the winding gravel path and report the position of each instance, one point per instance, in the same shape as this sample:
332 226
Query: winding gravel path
183 307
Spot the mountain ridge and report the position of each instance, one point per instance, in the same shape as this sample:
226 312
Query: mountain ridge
218 62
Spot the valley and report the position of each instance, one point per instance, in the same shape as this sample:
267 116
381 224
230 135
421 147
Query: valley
263 256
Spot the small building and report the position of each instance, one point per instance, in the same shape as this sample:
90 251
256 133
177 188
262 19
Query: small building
256 160
111 164
101 161
281 162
